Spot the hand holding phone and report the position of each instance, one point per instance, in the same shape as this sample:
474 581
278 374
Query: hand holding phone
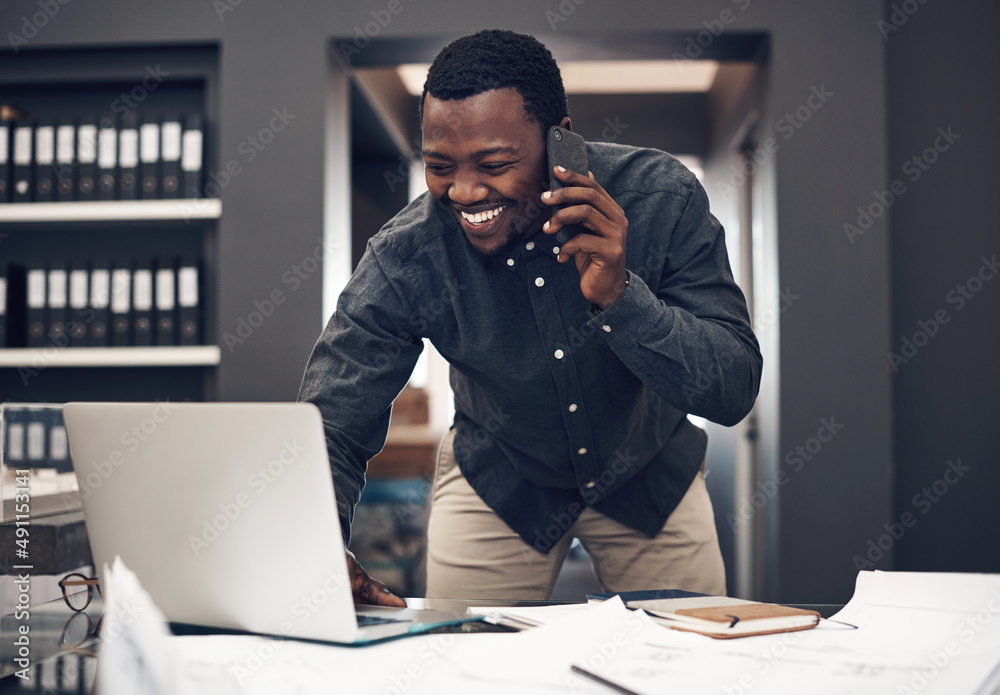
599 254
568 150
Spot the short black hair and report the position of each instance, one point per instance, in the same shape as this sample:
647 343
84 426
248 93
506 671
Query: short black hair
497 59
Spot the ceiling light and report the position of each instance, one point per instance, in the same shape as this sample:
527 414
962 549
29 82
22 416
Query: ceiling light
609 76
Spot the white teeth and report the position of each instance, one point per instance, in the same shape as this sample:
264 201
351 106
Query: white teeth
481 217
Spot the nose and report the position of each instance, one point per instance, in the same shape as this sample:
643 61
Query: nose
467 189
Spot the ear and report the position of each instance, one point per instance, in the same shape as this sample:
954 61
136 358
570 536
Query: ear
566 123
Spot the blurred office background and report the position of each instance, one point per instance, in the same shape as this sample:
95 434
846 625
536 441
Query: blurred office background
849 148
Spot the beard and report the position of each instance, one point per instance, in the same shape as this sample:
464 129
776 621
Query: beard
526 216
508 244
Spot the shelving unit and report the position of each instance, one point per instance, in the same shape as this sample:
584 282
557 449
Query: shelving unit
80 83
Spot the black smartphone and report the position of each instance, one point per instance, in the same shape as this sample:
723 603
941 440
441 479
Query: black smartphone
568 150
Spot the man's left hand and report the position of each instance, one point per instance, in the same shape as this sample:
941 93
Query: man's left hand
600 251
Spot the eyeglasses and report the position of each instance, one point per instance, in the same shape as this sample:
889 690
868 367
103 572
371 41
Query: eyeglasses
77 632
78 600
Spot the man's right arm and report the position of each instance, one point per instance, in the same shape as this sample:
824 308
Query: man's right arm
366 589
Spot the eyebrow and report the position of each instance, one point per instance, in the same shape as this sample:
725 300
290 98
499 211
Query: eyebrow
476 155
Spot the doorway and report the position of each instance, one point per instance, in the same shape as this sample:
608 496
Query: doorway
709 119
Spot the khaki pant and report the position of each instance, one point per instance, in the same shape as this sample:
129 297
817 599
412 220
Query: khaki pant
472 553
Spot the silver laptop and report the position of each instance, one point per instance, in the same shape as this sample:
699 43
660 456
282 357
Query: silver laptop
226 513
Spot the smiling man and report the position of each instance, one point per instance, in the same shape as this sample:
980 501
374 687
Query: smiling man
573 367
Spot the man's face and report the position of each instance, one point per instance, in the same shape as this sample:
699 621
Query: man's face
486 163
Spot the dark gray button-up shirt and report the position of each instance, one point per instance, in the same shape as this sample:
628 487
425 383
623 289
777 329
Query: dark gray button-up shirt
557 406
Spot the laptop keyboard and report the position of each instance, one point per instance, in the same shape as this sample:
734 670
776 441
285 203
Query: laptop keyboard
369 620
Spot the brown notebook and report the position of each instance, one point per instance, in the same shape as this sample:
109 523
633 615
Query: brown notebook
742 620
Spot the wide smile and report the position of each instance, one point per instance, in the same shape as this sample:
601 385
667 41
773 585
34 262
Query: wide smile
481 223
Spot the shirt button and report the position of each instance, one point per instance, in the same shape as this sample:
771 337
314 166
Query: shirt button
539 282
559 354
572 407
510 261
607 328
582 450
590 485
555 250
530 245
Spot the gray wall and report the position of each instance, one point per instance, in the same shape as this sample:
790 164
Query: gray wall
942 74
830 344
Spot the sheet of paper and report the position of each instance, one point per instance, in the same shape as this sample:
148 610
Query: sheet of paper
534 662
541 657
422 665
527 616
919 633
135 652
230 664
